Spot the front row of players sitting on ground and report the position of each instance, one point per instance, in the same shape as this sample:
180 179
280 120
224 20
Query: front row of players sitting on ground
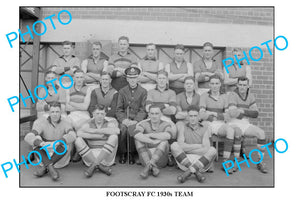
46 131
118 118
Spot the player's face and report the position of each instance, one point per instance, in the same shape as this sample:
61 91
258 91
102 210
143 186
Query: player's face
79 78
193 117
67 50
54 114
151 51
208 52
162 80
242 86
123 45
132 82
99 115
189 85
238 54
179 55
105 80
49 77
215 85
96 49
155 115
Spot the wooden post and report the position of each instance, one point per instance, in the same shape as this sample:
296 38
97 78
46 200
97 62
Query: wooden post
35 60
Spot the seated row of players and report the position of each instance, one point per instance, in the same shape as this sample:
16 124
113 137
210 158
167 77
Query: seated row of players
177 69
97 140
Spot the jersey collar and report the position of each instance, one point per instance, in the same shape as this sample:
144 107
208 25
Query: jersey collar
150 59
237 92
49 120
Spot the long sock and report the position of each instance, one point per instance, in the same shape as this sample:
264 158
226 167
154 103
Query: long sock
200 164
44 155
261 142
55 157
237 147
107 149
159 152
86 153
144 154
206 160
183 159
227 148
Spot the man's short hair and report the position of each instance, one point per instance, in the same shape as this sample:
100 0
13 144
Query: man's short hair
179 46
237 49
78 70
49 72
243 79
68 43
208 44
193 108
55 104
215 76
105 73
98 107
150 44
189 78
98 43
123 38
154 105
162 72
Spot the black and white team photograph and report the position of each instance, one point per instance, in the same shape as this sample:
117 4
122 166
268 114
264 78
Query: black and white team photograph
147 97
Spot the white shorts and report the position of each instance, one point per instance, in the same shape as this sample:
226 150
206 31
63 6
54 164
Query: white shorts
77 118
46 114
167 119
63 161
193 158
109 161
243 124
215 126
201 91
148 86
93 86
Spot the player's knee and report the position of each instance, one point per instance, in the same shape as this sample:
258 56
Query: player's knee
164 143
212 151
123 128
138 143
113 139
261 134
229 132
237 132
79 143
174 147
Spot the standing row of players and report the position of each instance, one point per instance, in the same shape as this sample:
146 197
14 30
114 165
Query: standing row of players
100 117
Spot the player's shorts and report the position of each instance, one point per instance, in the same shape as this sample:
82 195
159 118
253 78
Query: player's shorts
148 86
63 161
215 126
66 82
193 158
243 124
46 114
77 118
162 162
201 91
167 119
93 86
109 161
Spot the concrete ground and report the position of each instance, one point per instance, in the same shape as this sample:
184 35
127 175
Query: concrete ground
128 176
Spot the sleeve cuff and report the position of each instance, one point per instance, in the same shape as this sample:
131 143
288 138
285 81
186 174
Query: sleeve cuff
66 69
37 142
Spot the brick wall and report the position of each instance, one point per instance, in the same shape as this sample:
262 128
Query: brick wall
262 88
256 16
262 71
